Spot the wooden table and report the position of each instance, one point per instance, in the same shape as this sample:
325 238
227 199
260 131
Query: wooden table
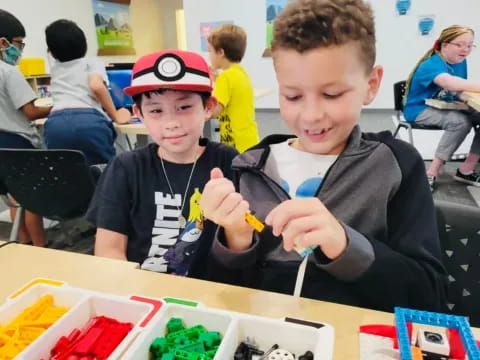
19 264
472 99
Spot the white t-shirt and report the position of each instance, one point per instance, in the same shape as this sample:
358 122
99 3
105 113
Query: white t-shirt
14 94
69 86
301 172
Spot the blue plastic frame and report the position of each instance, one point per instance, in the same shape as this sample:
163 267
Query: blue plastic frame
460 323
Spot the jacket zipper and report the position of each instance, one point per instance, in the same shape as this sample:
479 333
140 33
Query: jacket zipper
325 177
268 180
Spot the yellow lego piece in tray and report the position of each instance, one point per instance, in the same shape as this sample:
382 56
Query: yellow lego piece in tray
33 312
28 326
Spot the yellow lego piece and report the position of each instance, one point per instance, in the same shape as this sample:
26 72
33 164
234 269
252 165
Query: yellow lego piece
29 334
28 326
35 311
52 314
254 222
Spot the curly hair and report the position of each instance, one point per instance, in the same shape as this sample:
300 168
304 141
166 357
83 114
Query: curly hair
232 39
309 24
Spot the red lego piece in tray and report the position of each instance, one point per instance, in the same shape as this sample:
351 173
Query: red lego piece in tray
99 338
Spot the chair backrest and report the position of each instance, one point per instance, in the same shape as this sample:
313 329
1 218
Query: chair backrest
398 94
56 184
459 228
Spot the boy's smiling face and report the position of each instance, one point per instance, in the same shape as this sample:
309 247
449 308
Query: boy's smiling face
322 92
175 121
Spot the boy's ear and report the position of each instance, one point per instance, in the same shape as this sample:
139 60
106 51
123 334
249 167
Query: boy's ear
137 111
3 43
210 106
374 81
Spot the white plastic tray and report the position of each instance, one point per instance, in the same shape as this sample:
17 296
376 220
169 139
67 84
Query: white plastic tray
234 328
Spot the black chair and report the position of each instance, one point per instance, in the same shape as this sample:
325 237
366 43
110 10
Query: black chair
398 95
56 184
459 228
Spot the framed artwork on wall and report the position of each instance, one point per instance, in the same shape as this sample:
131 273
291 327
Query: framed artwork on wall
113 29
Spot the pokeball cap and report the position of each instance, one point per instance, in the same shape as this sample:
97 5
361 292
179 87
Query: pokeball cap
170 69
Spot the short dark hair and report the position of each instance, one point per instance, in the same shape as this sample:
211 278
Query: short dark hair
137 99
10 26
232 39
310 24
65 40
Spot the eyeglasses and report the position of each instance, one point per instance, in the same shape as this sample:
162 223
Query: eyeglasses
21 44
468 46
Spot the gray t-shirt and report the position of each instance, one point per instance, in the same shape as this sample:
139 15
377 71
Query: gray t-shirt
69 85
15 93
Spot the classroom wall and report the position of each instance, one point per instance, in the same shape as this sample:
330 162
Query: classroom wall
146 20
398 44
168 11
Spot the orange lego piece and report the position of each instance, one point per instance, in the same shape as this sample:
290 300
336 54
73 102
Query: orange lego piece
416 353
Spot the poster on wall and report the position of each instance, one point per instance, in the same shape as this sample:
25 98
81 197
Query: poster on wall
403 6
273 7
206 28
426 24
112 25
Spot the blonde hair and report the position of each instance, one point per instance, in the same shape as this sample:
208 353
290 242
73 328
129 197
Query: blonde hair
232 39
448 35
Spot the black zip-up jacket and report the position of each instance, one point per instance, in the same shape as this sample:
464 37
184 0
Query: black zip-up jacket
377 189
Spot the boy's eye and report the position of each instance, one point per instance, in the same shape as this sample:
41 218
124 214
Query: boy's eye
184 107
292 98
332 96
155 111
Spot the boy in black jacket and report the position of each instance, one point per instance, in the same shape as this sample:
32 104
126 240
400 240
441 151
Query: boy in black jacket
362 201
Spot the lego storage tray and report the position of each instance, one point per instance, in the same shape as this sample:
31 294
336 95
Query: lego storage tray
235 328
82 306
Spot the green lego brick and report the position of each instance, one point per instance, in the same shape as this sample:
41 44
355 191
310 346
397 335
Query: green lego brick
192 333
210 339
198 347
174 324
159 346
167 356
185 355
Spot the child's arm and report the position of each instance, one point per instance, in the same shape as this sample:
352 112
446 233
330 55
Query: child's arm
111 244
221 204
222 92
95 81
33 112
455 83
217 111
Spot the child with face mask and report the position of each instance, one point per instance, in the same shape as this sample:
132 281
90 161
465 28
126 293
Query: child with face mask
17 111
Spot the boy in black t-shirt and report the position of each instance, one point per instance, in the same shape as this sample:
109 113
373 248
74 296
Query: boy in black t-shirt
146 204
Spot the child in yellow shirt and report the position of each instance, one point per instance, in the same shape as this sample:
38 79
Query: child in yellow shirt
233 89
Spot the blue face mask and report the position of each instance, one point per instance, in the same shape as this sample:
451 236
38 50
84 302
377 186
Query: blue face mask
11 55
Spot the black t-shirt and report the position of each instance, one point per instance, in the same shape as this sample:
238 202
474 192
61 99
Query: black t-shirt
133 198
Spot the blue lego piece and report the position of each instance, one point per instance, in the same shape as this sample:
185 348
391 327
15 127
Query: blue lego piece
460 323
307 251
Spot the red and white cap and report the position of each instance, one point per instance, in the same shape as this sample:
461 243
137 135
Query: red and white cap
170 69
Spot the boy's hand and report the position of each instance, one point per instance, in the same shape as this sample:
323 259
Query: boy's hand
122 116
221 204
307 222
